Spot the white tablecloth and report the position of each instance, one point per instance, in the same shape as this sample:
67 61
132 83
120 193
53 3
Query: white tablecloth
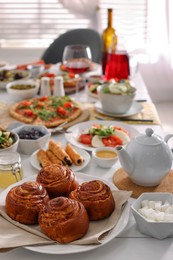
130 244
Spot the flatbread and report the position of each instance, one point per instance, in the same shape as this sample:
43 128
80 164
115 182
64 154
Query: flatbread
48 111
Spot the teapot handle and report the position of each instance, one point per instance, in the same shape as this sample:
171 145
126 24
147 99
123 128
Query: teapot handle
167 137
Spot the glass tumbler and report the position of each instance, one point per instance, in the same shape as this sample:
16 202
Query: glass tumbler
10 168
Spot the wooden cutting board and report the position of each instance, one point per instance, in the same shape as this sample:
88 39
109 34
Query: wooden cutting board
6 119
123 182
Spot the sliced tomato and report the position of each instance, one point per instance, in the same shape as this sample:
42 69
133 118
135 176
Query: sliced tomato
71 75
61 111
43 98
52 82
40 104
25 103
85 139
120 128
68 104
28 113
112 141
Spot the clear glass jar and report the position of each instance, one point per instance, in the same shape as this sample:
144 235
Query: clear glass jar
10 168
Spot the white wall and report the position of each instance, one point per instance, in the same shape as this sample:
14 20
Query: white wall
18 56
158 77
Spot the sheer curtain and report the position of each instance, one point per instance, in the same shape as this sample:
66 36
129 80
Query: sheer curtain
85 9
159 24
160 33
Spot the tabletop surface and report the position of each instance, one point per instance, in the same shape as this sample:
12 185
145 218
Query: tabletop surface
129 244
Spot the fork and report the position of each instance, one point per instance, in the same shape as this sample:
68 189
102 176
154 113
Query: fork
59 129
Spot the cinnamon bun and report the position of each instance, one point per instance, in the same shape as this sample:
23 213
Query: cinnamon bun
97 198
23 202
58 180
64 220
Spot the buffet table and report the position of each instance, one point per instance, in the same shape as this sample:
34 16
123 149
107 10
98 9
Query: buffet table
129 244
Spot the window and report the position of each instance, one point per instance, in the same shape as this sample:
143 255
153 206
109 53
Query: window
35 23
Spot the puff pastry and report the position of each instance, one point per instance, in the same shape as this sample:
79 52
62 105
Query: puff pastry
58 180
76 158
23 202
57 149
64 220
97 198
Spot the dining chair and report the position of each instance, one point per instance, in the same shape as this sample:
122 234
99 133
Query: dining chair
53 54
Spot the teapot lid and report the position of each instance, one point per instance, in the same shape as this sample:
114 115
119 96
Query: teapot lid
149 138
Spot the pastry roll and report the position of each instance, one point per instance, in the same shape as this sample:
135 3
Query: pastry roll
43 158
97 198
23 202
60 152
58 180
76 158
54 159
64 220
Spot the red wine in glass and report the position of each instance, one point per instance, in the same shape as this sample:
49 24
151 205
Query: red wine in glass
77 66
77 60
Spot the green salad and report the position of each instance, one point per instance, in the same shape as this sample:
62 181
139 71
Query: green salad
123 87
6 138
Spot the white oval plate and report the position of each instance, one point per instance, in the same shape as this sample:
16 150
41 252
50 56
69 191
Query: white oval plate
135 109
77 129
35 163
67 248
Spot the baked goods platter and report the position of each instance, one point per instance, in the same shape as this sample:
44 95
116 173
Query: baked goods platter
75 248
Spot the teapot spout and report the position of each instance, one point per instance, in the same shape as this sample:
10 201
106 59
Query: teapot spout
125 159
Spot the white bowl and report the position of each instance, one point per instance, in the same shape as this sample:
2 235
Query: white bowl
113 103
159 230
11 76
104 161
22 93
14 146
28 146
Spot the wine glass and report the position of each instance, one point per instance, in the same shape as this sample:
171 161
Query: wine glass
77 60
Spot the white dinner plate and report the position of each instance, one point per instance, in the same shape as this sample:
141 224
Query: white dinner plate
67 248
35 163
76 131
135 109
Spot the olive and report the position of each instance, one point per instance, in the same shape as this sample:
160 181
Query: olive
31 134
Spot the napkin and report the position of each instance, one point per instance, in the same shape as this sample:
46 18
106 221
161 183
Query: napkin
149 112
14 234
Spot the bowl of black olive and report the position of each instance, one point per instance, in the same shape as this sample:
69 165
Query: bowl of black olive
23 89
7 75
31 138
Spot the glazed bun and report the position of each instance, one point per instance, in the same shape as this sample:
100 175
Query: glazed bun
64 220
23 202
97 198
58 180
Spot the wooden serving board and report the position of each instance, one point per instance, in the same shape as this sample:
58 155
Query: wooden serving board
123 182
6 119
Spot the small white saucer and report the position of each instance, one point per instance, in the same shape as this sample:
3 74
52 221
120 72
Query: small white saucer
135 109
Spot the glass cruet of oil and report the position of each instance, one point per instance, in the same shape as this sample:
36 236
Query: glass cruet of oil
10 168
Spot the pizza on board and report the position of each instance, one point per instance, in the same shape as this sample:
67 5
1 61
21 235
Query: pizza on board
48 111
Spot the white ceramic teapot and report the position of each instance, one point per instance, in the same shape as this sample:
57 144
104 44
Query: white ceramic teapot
147 158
